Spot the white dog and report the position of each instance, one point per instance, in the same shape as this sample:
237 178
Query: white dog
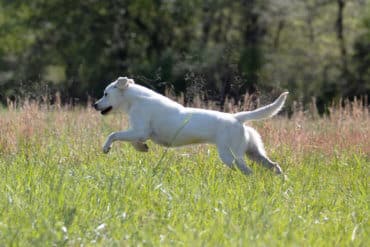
158 118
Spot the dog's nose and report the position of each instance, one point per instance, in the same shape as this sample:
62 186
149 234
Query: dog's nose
95 105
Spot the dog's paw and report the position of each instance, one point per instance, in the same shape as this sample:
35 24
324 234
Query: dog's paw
144 148
140 146
106 149
277 169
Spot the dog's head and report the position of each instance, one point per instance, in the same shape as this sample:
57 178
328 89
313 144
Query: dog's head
112 97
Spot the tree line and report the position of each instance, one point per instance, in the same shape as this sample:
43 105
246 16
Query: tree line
215 48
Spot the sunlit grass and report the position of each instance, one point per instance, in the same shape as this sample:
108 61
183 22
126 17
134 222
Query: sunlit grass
58 188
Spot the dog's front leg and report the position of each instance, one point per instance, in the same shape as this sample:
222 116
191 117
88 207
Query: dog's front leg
129 136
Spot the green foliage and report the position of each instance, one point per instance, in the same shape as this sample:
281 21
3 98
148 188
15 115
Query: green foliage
362 59
224 48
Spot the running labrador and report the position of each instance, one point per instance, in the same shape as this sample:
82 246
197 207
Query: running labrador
165 122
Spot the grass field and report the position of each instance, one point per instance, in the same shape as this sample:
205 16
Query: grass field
58 188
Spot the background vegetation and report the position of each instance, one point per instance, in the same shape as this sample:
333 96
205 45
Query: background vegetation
215 48
57 188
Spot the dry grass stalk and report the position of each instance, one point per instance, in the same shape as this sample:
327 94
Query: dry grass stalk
345 129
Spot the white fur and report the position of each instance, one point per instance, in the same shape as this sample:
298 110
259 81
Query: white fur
156 117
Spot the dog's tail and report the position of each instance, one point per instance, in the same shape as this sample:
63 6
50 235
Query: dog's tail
263 112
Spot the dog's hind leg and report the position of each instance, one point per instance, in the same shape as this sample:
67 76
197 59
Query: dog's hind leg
230 159
140 146
256 151
262 158
240 162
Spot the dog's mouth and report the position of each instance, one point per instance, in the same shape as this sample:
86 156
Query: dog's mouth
106 110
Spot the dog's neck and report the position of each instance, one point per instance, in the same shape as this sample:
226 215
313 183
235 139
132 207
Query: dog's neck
125 104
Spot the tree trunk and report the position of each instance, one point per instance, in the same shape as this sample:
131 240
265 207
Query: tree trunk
342 42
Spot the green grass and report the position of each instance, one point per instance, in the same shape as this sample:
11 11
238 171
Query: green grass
58 188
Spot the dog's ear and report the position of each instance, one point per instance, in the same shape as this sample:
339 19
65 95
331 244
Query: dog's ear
123 82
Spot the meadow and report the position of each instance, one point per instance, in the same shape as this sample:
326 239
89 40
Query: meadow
57 188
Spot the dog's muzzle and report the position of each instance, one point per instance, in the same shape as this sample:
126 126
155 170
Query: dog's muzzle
102 111
106 110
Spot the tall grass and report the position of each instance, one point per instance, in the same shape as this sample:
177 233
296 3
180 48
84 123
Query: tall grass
58 188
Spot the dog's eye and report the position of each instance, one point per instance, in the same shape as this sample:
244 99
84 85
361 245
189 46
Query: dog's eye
105 94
